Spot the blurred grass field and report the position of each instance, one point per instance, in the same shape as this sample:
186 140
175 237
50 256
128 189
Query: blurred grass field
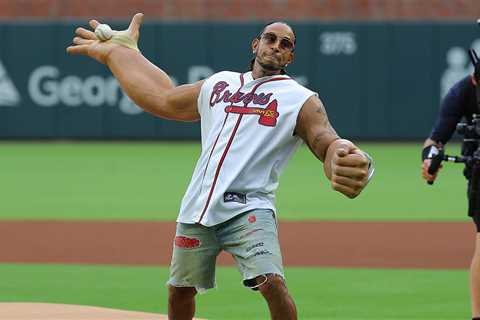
320 293
147 181
127 181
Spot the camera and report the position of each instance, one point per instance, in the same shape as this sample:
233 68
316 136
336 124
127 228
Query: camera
470 155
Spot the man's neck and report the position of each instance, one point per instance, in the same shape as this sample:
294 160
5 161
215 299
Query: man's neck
260 72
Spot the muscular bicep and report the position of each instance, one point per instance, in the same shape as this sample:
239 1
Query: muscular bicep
151 88
180 103
314 128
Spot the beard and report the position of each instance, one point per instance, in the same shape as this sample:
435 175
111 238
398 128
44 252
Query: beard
269 66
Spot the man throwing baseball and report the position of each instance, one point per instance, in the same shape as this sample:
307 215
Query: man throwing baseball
251 124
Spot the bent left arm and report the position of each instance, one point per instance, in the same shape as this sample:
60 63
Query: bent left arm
346 166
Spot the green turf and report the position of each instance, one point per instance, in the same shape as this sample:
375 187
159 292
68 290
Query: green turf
339 294
148 180
396 192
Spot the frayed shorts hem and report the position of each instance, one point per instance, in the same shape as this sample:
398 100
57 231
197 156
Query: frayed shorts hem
200 289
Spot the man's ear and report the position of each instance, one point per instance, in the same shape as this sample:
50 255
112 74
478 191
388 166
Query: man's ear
255 45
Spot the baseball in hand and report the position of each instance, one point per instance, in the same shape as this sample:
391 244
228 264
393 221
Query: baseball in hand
103 32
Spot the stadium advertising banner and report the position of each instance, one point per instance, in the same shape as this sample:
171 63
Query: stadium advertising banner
377 80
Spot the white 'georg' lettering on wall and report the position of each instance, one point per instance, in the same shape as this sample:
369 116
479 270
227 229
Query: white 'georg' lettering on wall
9 96
48 89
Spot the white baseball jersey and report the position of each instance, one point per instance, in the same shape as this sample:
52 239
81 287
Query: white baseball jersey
247 128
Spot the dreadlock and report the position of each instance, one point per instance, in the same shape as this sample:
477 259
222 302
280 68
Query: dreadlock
259 35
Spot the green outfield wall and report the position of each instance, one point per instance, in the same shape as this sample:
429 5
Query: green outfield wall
377 80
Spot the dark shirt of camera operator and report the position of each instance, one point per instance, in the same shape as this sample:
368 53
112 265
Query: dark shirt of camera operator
459 102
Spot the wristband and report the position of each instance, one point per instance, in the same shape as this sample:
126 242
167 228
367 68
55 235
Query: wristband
429 152
123 38
371 167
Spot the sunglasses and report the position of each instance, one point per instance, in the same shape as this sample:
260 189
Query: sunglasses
271 38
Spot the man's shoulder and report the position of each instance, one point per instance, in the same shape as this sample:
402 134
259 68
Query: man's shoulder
219 80
225 74
462 87
464 83
296 85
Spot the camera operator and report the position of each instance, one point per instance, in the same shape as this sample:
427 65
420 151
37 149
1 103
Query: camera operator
460 102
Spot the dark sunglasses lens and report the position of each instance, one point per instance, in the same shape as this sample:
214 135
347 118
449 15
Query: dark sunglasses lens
270 38
285 44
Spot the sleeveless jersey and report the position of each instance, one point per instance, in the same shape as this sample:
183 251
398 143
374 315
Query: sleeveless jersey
247 131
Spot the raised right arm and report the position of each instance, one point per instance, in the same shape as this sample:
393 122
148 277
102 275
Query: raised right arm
151 88
146 84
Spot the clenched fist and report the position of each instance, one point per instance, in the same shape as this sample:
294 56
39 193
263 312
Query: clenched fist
349 168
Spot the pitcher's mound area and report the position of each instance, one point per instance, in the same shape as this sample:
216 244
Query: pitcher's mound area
50 311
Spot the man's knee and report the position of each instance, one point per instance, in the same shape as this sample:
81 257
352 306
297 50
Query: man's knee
271 284
181 292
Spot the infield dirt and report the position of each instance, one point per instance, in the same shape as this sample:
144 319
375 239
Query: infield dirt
429 245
